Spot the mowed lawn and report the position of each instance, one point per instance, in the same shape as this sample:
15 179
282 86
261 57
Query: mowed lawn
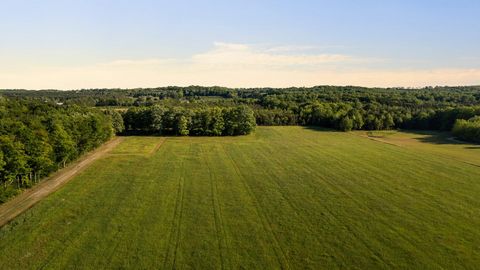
284 197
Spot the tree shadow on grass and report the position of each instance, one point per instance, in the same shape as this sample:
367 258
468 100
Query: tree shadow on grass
441 138
425 136
322 129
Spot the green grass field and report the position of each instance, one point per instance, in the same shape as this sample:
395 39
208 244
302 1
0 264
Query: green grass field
284 197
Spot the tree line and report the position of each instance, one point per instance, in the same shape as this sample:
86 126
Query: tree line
205 121
339 107
357 116
38 138
468 130
282 98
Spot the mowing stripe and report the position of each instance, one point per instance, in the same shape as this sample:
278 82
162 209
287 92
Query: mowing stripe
335 186
280 253
177 219
219 227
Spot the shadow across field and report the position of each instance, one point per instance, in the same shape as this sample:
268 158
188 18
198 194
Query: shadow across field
409 136
317 128
443 138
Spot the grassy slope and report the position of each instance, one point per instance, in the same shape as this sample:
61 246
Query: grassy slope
286 196
439 143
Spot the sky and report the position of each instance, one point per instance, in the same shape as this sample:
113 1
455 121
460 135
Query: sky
66 44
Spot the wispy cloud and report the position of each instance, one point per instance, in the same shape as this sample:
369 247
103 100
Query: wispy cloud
291 48
301 48
227 55
236 65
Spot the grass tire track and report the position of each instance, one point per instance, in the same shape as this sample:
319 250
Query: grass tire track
178 212
267 226
344 192
219 224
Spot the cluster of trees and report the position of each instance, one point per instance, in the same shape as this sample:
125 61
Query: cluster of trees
373 116
468 130
207 121
37 138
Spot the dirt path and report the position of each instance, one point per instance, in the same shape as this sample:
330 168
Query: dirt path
30 197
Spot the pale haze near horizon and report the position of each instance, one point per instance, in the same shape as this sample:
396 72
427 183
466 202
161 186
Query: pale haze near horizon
126 44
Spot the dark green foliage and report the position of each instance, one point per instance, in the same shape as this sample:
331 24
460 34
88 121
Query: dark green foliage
117 121
238 121
346 124
37 138
468 130
14 161
342 108
208 121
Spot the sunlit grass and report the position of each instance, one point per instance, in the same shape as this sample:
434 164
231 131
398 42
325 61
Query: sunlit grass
282 197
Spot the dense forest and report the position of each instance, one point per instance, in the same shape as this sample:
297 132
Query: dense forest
41 131
37 138
343 108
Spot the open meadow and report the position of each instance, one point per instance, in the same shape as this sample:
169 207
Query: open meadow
282 197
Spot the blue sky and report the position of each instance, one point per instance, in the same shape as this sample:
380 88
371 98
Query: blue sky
105 43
